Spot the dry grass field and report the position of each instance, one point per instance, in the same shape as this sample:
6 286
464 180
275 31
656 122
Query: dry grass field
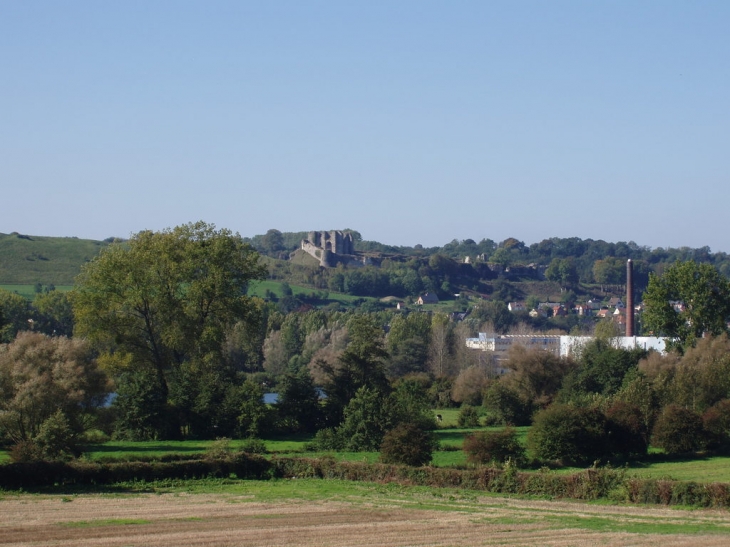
302 513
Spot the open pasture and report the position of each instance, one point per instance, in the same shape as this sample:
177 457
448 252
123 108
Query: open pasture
332 513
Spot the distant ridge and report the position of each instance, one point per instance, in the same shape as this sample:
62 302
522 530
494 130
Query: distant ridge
28 260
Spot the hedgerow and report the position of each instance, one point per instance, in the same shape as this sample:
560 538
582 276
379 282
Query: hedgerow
590 484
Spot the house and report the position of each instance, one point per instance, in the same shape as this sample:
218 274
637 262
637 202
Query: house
559 310
459 315
616 302
428 298
583 309
603 313
516 306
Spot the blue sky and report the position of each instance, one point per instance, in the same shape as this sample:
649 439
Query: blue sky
412 122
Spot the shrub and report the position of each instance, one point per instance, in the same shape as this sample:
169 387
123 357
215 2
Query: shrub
568 434
627 432
494 446
326 439
468 416
408 444
254 446
218 449
716 422
56 439
25 451
678 430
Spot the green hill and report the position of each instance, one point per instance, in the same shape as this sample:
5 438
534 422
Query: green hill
27 260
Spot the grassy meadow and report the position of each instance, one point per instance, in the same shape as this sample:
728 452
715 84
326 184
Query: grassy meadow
450 454
28 260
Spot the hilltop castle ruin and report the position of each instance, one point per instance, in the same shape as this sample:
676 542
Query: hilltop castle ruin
328 247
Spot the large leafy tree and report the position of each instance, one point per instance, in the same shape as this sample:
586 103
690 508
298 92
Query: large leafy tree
42 375
688 301
167 298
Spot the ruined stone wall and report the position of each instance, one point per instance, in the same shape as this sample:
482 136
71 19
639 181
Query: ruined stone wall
328 246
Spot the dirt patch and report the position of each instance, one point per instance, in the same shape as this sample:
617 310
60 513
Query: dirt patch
228 520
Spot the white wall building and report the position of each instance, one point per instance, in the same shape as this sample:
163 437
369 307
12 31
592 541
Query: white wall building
558 345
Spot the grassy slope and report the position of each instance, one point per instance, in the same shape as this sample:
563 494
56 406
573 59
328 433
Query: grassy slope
26 260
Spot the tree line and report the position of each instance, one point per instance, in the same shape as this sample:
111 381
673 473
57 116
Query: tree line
165 324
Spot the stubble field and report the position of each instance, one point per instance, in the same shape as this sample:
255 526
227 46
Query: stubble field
315 513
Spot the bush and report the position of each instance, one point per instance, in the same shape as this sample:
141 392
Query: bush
716 422
678 430
468 416
56 439
254 446
568 434
408 444
326 439
627 432
218 449
25 451
494 446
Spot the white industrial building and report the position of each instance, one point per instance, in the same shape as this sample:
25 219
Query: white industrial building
559 345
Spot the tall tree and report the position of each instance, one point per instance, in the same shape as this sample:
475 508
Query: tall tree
362 364
166 298
41 375
440 357
688 301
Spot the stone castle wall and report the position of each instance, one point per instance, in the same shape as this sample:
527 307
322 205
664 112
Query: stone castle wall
326 246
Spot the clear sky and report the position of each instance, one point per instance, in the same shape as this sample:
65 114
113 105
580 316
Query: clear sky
409 121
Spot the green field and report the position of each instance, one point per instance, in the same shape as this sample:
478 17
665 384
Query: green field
27 260
700 469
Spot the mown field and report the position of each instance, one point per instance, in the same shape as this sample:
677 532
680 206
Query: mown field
311 512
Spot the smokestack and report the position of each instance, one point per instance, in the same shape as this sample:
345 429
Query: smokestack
629 298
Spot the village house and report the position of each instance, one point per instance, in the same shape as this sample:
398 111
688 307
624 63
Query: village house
616 302
604 312
428 298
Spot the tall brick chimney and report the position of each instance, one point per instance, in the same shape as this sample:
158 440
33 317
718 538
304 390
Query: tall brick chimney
629 298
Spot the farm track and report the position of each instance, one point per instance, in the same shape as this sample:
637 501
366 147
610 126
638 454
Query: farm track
236 520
